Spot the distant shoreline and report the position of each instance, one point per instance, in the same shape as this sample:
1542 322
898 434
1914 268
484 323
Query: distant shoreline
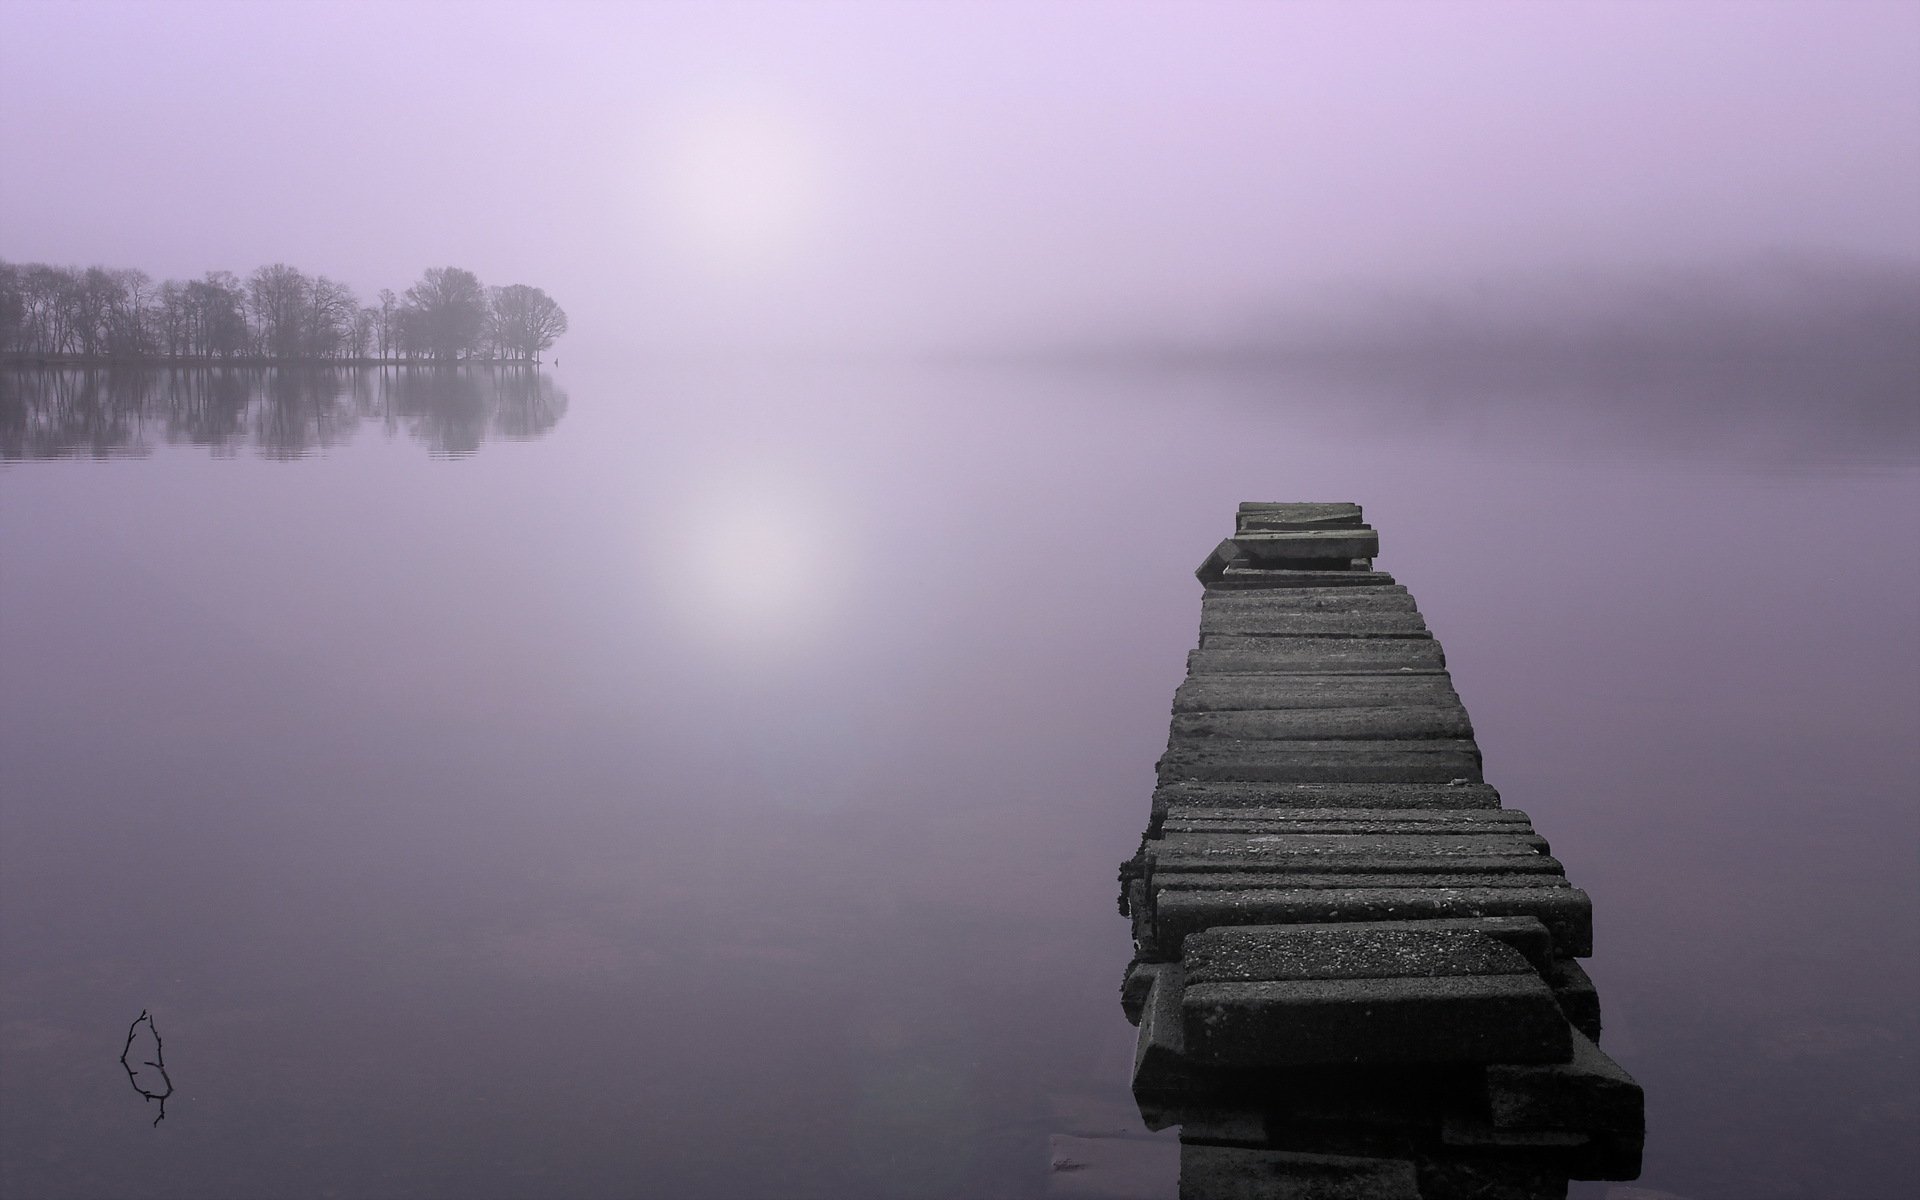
22 359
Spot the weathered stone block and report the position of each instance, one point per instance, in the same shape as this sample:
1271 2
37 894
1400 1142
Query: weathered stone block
1311 623
1579 999
1331 994
1526 936
1408 760
1308 545
1238 1173
1589 1094
1187 904
1357 853
1186 818
1227 655
1384 598
1233 578
1160 1062
1253 794
1373 724
1254 517
1253 692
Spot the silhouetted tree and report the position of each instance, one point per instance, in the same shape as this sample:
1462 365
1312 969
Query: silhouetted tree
450 311
277 298
525 321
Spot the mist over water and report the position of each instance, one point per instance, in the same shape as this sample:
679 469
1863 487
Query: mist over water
537 823
699 769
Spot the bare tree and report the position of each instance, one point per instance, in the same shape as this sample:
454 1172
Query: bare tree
277 296
526 321
389 305
450 311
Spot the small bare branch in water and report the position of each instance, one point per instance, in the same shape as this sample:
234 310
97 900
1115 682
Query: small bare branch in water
128 1058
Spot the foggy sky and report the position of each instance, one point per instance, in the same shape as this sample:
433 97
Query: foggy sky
915 174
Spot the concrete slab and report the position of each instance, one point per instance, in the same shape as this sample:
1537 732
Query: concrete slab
1255 516
1526 936
1578 998
1186 818
1252 794
1433 760
1232 655
1160 1063
1463 1019
1234 578
1329 994
1589 1094
1237 1173
1255 692
1264 547
1187 904
1376 724
1287 622
1385 598
1454 853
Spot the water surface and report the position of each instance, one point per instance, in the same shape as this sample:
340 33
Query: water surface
717 792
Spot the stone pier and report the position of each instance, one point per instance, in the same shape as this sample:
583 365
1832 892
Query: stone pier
1355 971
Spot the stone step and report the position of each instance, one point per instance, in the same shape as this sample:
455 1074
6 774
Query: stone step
1587 1092
1525 935
1222 795
1291 724
1160 1063
1287 622
1392 598
1578 998
1232 578
1499 873
1201 851
1259 516
1205 819
1307 545
1187 904
1233 655
1174 825
1408 760
1330 994
1260 693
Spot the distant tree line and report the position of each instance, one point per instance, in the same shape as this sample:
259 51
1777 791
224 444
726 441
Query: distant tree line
277 313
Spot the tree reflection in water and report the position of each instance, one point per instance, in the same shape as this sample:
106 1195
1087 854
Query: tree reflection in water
274 412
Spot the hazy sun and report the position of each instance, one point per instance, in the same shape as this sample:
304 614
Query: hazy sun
743 182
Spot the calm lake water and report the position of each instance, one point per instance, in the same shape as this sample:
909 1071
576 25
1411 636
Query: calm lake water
709 782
